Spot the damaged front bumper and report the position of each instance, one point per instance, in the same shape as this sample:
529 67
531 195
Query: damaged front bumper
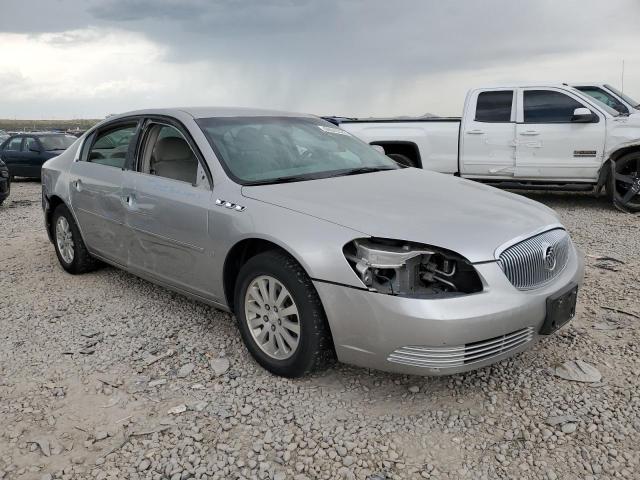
440 336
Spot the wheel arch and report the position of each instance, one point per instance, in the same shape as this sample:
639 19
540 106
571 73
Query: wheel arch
401 147
605 169
239 254
53 202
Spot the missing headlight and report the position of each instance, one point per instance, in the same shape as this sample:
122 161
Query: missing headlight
408 269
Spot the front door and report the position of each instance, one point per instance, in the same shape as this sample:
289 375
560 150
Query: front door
552 146
96 191
487 134
168 199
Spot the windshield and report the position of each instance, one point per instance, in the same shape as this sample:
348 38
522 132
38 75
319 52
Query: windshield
57 142
257 150
626 98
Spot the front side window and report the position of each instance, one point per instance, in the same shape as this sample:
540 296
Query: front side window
604 97
29 143
14 144
546 106
494 106
258 150
57 142
110 147
167 154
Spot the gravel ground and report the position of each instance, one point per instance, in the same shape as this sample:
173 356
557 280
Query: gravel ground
108 376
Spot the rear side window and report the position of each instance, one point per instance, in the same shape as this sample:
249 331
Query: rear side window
110 147
14 144
546 106
494 106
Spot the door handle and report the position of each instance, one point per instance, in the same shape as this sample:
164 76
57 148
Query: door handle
77 184
530 133
128 200
476 131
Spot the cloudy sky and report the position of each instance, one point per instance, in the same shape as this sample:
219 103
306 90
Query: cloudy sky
88 58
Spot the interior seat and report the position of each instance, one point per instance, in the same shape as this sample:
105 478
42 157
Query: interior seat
173 158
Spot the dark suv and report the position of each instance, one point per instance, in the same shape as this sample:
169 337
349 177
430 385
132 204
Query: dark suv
5 183
25 153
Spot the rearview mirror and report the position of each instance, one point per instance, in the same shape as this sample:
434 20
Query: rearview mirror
582 115
379 148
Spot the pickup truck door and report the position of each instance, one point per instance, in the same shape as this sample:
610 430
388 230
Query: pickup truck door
487 134
550 144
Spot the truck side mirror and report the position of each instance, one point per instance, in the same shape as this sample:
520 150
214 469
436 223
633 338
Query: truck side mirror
379 148
582 115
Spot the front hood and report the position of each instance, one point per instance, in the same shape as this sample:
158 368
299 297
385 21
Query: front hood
415 205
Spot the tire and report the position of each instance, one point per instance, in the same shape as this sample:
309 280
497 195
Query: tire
80 261
402 159
623 184
314 345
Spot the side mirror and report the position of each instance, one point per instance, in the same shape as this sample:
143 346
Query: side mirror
379 148
35 148
582 115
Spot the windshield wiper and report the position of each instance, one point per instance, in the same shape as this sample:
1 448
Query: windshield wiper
288 179
359 170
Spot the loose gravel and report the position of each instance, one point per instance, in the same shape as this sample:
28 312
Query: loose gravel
106 376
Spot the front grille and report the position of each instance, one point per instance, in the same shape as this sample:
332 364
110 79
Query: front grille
461 355
526 263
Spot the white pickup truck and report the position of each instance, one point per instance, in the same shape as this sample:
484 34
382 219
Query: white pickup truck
529 136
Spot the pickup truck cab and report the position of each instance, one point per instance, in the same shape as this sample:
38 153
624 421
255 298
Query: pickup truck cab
530 136
610 96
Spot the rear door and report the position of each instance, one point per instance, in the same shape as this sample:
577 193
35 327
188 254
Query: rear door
168 197
550 145
96 189
487 147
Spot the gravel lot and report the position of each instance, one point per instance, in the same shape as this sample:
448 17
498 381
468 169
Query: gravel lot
108 376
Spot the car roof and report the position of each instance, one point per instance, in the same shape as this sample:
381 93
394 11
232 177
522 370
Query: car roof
207 112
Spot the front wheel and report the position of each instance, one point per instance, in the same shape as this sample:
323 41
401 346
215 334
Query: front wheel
623 186
280 315
70 248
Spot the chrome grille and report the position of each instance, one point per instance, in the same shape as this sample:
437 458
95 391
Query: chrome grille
460 355
524 262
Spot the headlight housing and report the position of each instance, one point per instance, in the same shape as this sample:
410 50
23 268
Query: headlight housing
396 267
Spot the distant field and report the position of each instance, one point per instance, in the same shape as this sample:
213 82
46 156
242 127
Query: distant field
82 124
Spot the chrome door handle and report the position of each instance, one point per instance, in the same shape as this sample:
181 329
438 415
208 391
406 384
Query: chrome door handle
530 133
77 184
128 200
475 132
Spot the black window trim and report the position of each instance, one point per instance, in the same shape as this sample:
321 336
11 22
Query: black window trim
523 122
511 113
90 140
145 125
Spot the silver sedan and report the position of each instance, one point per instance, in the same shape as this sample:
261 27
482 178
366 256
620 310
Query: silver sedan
318 243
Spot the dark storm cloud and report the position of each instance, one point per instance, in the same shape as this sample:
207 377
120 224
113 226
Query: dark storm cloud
331 36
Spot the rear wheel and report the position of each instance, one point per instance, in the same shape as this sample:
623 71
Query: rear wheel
623 186
70 248
401 159
280 315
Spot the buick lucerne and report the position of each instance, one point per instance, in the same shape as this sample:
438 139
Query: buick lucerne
319 244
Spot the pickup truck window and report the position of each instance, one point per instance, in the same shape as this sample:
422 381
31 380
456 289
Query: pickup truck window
547 106
494 106
604 97
624 96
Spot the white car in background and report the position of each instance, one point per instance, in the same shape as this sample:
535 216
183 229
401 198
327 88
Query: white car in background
610 96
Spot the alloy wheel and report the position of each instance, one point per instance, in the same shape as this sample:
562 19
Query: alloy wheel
272 317
64 240
627 180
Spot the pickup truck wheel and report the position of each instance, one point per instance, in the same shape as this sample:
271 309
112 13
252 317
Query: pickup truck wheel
280 315
70 248
624 183
401 159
